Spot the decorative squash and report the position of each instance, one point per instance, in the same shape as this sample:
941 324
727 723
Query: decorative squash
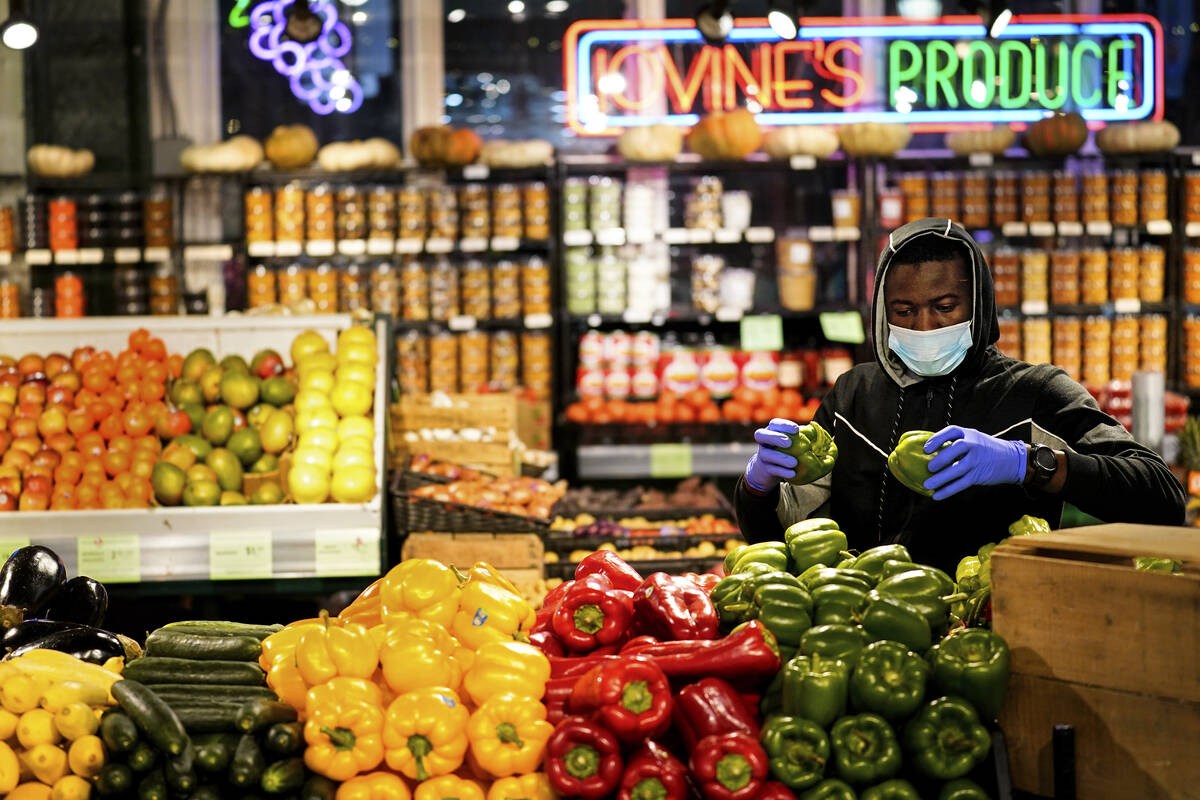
651 143
291 146
1057 135
996 141
240 154
443 146
725 137
55 161
878 139
526 153
1138 137
801 140
373 153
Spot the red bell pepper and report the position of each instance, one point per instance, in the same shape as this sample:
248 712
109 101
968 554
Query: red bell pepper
652 773
638 642
555 596
729 766
710 707
592 614
630 697
611 566
557 693
674 609
774 790
548 643
574 666
583 759
748 655
706 581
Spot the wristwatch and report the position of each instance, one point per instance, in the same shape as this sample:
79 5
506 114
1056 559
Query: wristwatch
1041 466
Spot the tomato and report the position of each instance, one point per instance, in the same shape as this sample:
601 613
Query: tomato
175 365
33 501
147 444
142 465
111 426
38 484
155 350
156 372
31 363
67 474
138 339
172 423
52 421
710 413
685 413
90 444
137 421
577 413
747 397
61 443
617 410
81 356
113 398
116 462
99 410
95 379
122 443
79 421
56 364
697 398
128 373
59 395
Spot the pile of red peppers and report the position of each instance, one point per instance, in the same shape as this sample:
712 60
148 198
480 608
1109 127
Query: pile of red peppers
648 699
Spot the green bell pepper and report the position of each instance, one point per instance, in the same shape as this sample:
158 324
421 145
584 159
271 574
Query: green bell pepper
945 739
830 789
963 789
819 575
815 453
895 789
937 582
1152 564
814 541
729 597
865 749
772 698
966 575
798 750
889 680
888 617
973 664
773 554
925 591
815 688
837 604
872 561
910 463
785 610
985 564
1028 525
835 641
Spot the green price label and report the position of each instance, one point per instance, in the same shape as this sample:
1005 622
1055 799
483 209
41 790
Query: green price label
234 555
843 326
11 544
670 460
347 552
762 332
110 559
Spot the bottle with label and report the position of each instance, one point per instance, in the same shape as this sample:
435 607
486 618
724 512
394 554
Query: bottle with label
680 371
718 370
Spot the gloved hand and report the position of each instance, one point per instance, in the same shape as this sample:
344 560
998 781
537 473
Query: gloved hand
767 467
972 459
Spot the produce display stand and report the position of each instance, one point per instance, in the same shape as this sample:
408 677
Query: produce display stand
1107 649
287 541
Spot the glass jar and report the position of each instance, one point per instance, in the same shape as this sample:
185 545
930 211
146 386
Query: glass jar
1123 273
414 282
1097 351
412 362
320 213
506 290
293 284
1035 196
504 360
473 360
260 224
1064 277
289 213
475 289
1006 274
1152 268
1152 194
1035 340
261 286
1068 345
443 363
381 213
1034 279
1123 203
1095 196
1093 276
323 288
443 291
354 288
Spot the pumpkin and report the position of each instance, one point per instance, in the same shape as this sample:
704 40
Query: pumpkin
1138 137
291 146
443 146
240 154
55 161
879 139
801 140
650 143
1057 135
723 136
995 140
372 153
527 153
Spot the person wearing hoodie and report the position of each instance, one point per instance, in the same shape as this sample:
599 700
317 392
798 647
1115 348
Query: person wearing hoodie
1019 438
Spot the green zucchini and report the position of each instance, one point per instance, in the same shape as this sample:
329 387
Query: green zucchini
246 768
118 732
114 779
218 627
284 738
155 670
142 757
209 693
152 715
211 719
202 647
259 713
214 751
206 793
318 787
153 786
180 771
283 777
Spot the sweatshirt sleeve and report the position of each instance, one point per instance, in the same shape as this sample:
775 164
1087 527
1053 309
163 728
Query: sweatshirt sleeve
1109 475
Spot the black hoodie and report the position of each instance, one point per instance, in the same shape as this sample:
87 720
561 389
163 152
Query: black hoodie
1109 475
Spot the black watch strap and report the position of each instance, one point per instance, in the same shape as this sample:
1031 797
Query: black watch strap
1043 465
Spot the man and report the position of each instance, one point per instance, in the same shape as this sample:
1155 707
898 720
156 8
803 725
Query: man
1022 438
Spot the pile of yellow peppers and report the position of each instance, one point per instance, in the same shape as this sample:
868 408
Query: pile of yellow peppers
420 688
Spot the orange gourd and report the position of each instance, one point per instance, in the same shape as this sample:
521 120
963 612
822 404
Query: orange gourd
1058 135
723 136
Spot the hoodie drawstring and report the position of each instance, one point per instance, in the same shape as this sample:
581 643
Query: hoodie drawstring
883 478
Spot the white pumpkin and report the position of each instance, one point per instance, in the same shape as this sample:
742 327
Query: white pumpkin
801 140
373 153
1137 137
516 154
240 154
878 139
995 141
52 160
651 143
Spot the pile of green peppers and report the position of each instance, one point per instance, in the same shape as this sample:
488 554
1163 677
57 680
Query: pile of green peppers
973 576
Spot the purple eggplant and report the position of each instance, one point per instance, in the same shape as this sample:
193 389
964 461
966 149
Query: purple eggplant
84 642
81 600
28 579
30 630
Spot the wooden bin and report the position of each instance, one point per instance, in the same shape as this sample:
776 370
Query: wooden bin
421 413
1110 650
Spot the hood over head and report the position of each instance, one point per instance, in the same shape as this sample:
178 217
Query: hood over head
985 328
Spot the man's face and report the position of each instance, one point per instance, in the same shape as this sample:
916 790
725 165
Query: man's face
929 295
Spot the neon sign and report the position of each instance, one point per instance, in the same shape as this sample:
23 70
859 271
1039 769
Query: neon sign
935 76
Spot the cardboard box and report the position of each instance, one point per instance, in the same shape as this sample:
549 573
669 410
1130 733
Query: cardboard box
502 550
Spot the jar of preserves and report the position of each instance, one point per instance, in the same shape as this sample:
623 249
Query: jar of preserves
260 224
1097 351
293 284
535 286
443 362
1152 268
412 362
945 195
261 286
1123 273
1152 343
504 360
1093 276
535 363
319 213
1005 198
1124 348
323 288
473 360
1191 362
975 199
387 289
1006 274
1123 202
1095 196
1068 345
381 213
443 291
506 290
1152 196
1034 279
412 213
915 189
1191 276
414 282
1191 196
289 213
10 299
1064 277
1035 196
1035 340
475 289
354 288
1009 342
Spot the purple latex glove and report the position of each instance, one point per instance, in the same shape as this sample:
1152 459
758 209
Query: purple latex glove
767 467
972 458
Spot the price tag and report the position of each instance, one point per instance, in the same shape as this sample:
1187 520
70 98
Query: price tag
475 172
980 159
439 245
463 322
472 244
380 247
843 326
1070 229
760 235
10 544
1192 230
1099 228
577 238
670 460
91 255
700 236
346 551
5 257
820 233
639 235
1014 229
675 235
611 236
158 254
802 162
284 249
321 248
538 321
635 316
1159 227
729 314
800 253
1127 305
726 236
846 234
38 257
234 555
261 249
110 559
1041 229
505 243
762 332
1035 308
66 257
408 246
352 247
207 252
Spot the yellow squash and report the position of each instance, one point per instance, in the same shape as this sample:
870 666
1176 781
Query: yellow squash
86 756
10 769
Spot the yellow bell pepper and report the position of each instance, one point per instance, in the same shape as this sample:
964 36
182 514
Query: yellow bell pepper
10 769
289 685
448 787
424 630
426 733
374 786
343 735
342 690
508 734
507 668
281 645
483 572
365 610
421 588
534 786
410 663
327 651
490 613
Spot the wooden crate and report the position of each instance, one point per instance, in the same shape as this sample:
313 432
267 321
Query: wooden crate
1113 651
457 411
504 551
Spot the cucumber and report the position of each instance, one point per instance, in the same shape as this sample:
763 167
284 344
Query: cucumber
118 732
114 779
207 693
218 627
259 713
154 670
203 647
180 771
283 777
246 768
214 751
142 757
210 719
284 738
152 715
153 786
318 787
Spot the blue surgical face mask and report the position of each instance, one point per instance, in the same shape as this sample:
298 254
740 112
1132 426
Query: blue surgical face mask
929 353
